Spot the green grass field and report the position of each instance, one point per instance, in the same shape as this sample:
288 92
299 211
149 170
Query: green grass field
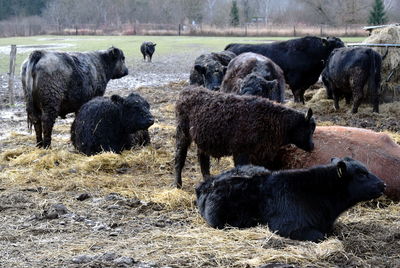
130 44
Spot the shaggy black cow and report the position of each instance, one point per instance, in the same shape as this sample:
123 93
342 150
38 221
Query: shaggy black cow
349 71
299 204
253 74
250 128
147 49
209 69
301 59
111 124
58 83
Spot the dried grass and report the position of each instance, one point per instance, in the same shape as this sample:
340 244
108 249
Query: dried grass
388 35
174 234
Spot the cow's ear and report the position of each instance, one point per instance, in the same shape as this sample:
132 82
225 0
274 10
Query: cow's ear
117 99
114 52
325 42
154 44
341 169
200 68
309 114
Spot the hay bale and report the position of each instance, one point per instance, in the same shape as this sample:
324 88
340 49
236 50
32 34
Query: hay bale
388 35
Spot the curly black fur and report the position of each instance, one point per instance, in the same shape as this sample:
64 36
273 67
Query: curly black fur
209 69
300 204
114 124
349 71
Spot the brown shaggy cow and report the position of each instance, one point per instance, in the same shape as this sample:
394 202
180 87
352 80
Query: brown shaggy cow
250 128
254 74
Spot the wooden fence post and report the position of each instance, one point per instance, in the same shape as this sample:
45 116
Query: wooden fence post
179 29
13 55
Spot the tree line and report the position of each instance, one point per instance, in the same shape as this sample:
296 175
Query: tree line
70 13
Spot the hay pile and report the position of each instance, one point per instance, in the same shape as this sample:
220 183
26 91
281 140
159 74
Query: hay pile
391 64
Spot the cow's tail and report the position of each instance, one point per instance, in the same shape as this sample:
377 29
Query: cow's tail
374 79
27 75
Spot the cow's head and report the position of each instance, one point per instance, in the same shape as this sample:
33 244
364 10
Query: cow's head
213 73
331 43
151 47
117 63
301 132
361 184
256 85
135 112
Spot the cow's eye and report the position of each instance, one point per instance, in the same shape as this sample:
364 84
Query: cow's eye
362 172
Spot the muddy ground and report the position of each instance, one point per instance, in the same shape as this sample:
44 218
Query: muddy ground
61 209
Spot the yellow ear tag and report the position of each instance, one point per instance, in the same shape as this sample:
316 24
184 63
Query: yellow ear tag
339 172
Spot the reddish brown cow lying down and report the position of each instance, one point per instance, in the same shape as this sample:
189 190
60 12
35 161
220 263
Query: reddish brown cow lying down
376 150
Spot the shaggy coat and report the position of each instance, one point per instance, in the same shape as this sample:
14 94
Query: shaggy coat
299 204
147 49
301 59
253 74
209 69
114 124
250 128
58 83
349 71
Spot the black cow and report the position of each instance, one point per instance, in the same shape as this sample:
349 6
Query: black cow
301 59
209 69
58 83
147 49
299 204
253 74
349 71
111 124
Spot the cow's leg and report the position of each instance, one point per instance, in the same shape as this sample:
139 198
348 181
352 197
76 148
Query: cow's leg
241 159
335 96
348 98
204 160
327 87
48 120
182 144
375 92
38 130
357 99
150 56
299 95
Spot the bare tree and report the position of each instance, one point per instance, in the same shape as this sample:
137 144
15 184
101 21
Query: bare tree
322 8
352 11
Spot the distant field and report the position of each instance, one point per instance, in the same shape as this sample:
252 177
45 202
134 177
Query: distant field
129 44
